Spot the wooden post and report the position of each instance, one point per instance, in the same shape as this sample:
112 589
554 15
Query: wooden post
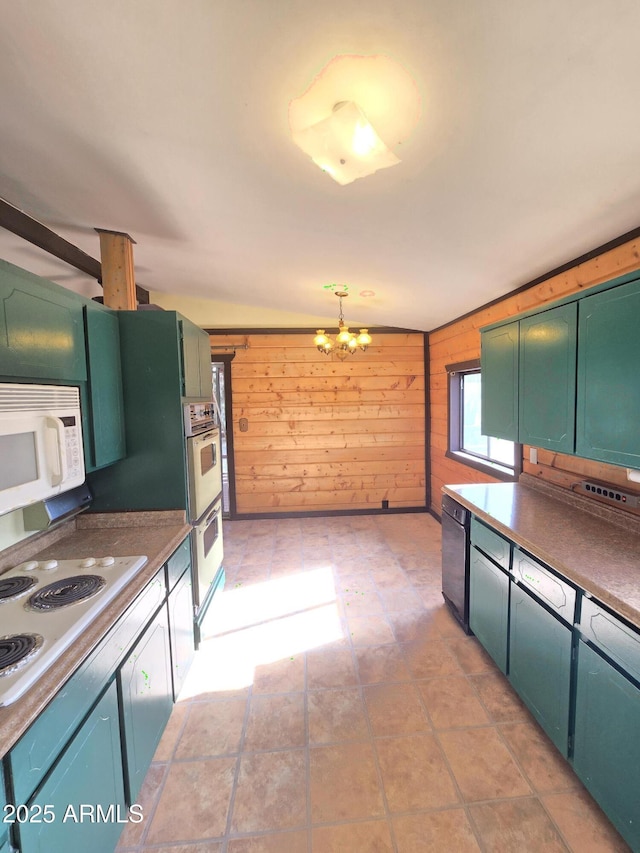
118 277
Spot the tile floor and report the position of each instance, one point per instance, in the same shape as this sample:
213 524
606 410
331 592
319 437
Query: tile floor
336 707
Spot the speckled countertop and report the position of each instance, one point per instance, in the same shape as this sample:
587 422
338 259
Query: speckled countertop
154 534
601 557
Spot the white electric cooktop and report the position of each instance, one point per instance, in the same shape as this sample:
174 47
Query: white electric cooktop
45 606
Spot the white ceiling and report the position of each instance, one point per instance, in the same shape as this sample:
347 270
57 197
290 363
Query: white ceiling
169 120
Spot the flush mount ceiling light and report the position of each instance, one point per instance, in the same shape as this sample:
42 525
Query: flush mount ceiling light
353 112
346 341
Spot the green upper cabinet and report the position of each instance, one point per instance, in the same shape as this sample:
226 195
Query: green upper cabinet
547 378
500 356
608 401
41 328
196 361
105 403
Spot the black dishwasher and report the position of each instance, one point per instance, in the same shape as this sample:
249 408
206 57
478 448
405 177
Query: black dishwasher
455 559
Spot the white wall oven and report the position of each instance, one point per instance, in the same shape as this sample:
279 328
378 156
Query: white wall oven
204 465
205 471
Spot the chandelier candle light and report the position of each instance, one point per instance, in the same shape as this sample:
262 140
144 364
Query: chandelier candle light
345 341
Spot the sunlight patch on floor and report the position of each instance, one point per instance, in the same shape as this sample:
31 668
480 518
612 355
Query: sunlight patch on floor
263 623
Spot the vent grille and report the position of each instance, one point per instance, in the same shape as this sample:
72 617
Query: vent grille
37 398
610 494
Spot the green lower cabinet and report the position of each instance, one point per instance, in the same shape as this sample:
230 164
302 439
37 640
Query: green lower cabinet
489 606
84 793
147 699
180 603
540 664
607 741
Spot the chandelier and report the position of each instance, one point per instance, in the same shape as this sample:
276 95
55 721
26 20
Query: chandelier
345 341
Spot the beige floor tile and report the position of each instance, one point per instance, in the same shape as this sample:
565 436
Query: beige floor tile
370 630
414 773
395 709
194 801
171 733
359 602
203 847
275 722
352 586
279 842
543 765
344 783
415 626
381 663
400 599
452 703
330 668
499 698
482 765
367 837
471 656
212 728
282 676
146 799
583 824
437 832
517 826
271 792
389 577
336 715
426 660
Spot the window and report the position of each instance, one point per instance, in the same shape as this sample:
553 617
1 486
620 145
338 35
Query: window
467 444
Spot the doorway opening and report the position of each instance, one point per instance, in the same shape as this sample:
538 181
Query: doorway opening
221 372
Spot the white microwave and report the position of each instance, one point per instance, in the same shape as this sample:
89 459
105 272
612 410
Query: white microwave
41 452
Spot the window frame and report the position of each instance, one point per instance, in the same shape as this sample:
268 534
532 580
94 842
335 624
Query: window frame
454 429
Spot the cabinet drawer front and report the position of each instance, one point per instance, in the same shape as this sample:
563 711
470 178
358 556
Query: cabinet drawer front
38 748
491 543
178 562
547 587
616 639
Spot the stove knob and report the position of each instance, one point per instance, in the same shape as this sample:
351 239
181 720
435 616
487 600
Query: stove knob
49 565
88 563
106 561
29 566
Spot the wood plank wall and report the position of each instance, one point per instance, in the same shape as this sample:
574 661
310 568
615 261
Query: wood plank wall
325 434
460 341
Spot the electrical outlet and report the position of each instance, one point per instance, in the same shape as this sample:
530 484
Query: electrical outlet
533 455
610 494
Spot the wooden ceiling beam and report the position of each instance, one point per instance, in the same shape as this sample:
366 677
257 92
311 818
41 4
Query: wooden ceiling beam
118 275
22 225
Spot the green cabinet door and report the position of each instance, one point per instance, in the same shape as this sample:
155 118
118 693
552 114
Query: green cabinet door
540 664
147 699
608 395
105 443
489 606
499 390
607 741
181 628
41 329
547 389
196 360
89 773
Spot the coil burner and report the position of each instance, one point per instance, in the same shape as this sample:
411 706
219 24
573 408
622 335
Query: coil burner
16 650
15 586
66 591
